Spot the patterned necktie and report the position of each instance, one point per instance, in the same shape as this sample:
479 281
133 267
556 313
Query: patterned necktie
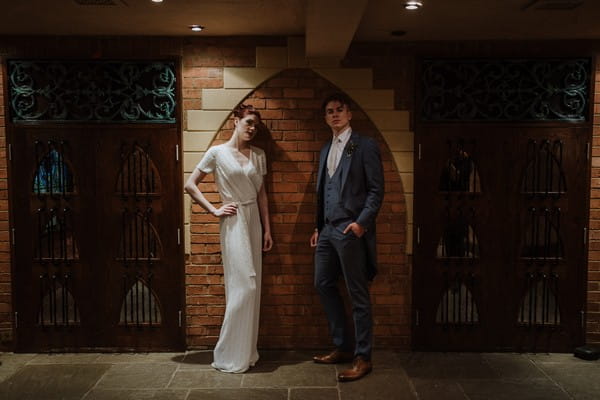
333 156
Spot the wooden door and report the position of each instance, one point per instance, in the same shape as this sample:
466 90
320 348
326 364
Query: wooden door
500 217
98 259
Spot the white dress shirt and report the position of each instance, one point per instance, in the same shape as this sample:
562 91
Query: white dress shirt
338 143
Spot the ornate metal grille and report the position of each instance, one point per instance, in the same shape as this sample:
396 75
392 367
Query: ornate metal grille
139 176
539 306
505 90
58 307
457 306
53 175
542 241
98 91
458 241
460 172
544 175
55 239
140 306
139 241
139 187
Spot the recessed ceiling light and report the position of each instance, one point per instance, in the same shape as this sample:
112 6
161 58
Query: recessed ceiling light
157 1
413 4
196 28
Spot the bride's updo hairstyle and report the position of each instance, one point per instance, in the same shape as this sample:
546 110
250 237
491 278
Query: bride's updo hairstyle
242 110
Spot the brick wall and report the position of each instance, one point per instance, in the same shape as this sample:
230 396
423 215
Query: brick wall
291 314
593 295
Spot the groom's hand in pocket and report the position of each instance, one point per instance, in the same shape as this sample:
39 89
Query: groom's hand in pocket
355 228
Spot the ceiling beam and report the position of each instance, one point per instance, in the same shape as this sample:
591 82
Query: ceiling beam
330 26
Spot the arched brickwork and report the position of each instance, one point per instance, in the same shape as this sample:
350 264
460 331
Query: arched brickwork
291 314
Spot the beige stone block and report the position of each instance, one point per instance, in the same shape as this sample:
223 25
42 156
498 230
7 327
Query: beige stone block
390 120
200 120
251 78
296 46
271 57
373 99
399 140
408 182
348 78
197 141
223 99
409 238
187 239
187 208
190 160
404 161
408 198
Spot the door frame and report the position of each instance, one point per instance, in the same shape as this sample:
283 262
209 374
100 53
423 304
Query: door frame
179 263
506 53
418 279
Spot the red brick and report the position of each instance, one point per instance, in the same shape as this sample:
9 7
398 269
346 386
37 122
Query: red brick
199 72
307 93
282 83
280 103
203 83
292 316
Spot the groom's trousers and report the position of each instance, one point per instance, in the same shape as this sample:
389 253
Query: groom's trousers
344 254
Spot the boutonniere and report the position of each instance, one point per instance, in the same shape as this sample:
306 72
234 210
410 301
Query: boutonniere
350 149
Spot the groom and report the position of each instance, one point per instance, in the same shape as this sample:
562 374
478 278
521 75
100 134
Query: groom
349 195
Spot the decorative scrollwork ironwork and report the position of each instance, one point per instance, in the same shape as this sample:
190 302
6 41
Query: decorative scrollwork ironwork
505 90
98 91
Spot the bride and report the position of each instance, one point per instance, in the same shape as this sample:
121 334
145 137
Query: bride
245 232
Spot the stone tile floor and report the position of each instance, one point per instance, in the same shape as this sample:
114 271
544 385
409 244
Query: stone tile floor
289 375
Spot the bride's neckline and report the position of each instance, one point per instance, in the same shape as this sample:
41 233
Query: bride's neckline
244 160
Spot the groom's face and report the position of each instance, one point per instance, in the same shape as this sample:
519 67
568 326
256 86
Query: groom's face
337 116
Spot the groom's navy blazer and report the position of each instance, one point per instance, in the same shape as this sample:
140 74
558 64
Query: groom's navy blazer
361 189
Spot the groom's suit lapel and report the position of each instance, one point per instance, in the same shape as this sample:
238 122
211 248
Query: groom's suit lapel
323 164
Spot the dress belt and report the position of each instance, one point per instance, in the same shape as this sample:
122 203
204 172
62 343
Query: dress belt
242 202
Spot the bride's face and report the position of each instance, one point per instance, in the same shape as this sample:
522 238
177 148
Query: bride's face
247 127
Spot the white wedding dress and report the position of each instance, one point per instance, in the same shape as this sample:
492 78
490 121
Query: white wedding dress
241 249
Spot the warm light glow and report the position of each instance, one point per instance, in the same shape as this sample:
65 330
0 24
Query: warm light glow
157 1
413 4
196 28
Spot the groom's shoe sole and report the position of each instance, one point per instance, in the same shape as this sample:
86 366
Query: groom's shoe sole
335 357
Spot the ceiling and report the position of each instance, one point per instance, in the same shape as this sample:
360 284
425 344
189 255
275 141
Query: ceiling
328 25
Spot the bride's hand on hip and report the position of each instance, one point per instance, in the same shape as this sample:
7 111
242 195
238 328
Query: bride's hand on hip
226 210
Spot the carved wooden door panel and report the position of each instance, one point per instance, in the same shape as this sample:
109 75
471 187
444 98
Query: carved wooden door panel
500 217
98 259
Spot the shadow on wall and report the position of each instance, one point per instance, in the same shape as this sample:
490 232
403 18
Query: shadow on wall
291 313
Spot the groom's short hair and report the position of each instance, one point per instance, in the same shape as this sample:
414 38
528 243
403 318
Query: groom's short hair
340 97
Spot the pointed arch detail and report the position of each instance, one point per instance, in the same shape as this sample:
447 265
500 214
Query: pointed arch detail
239 82
140 306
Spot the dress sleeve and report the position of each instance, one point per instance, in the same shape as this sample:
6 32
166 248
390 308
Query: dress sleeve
208 162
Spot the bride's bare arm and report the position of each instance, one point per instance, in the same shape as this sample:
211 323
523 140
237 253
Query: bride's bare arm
263 206
191 187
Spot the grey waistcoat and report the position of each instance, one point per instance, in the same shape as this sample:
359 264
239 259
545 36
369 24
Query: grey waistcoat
334 209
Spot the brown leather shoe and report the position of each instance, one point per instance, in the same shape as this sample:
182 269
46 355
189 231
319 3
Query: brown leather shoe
335 357
360 368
